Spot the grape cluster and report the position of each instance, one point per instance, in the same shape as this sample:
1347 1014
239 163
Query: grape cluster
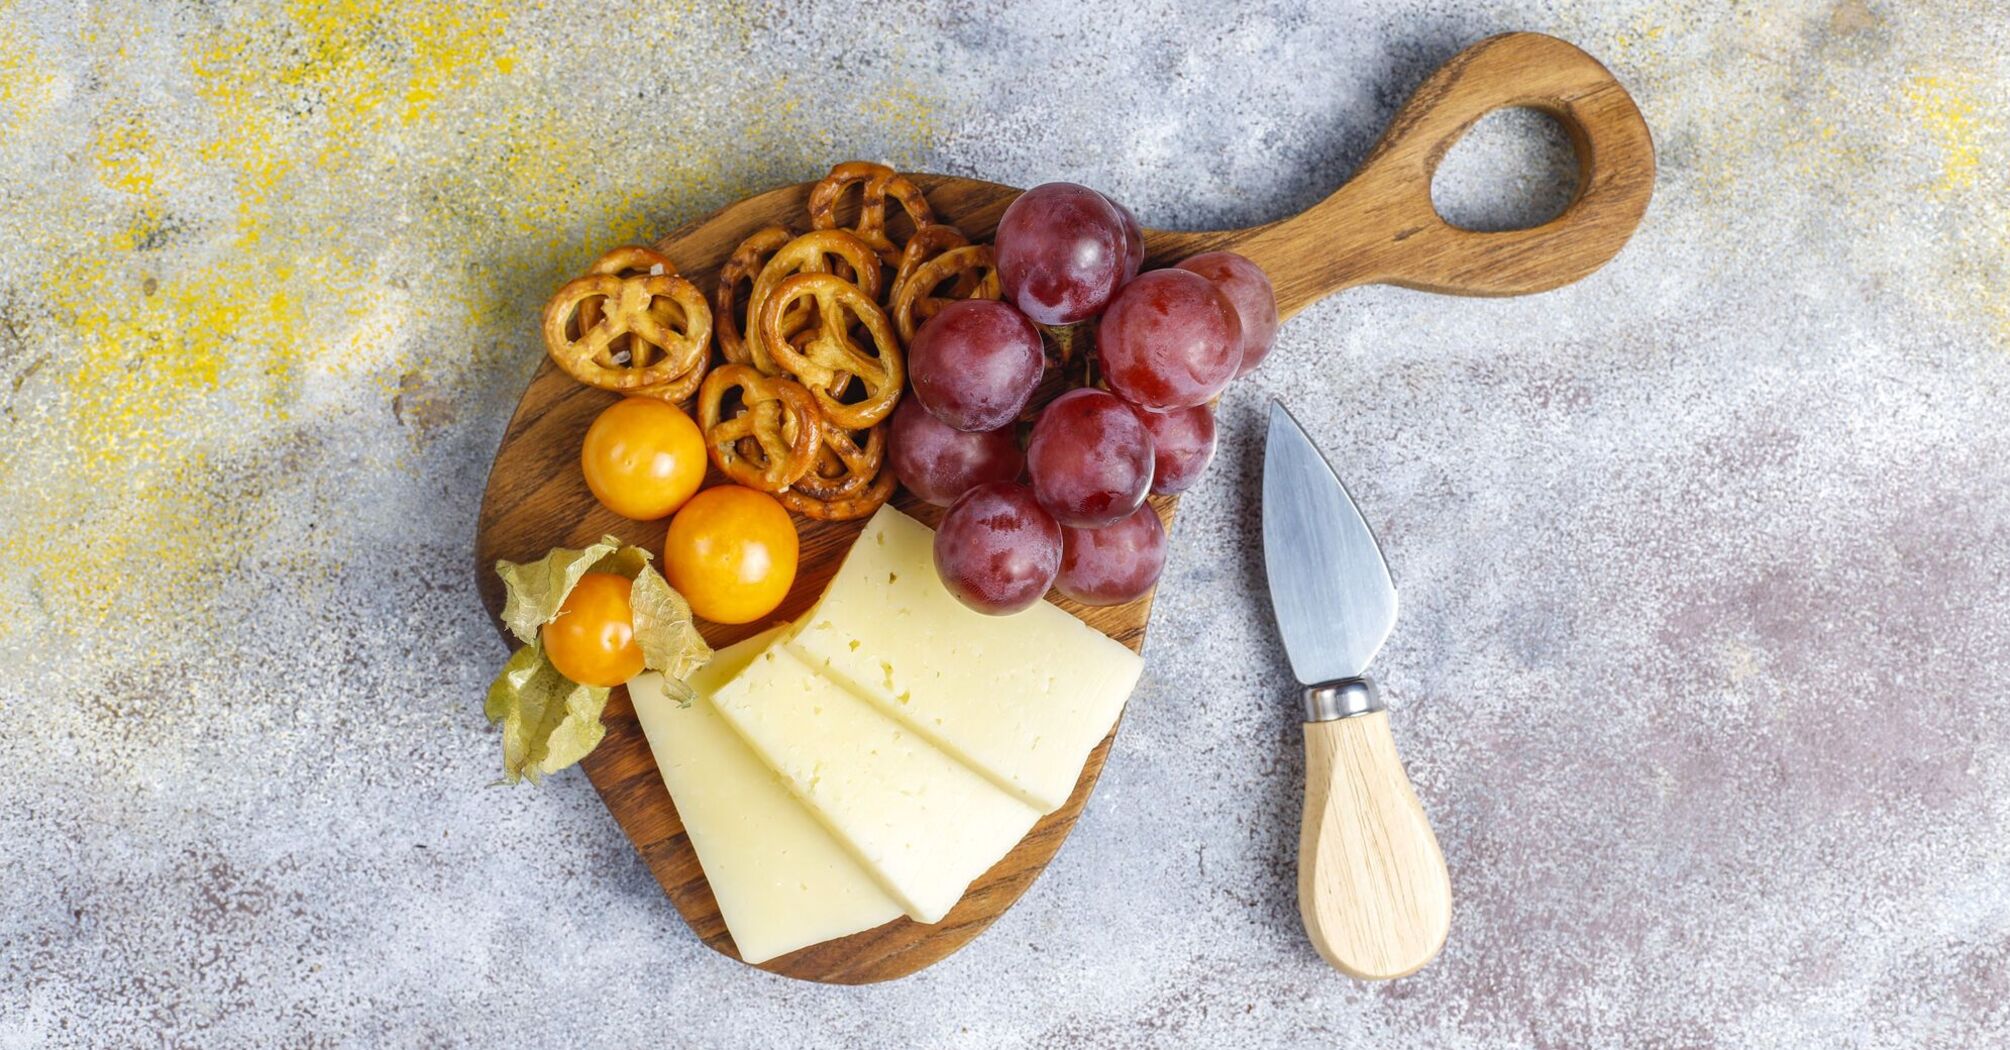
1168 342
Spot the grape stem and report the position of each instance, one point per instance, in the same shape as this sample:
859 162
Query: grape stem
1072 345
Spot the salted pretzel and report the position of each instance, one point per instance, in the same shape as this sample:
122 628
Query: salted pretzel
825 358
974 270
680 388
842 465
927 243
634 260
819 251
774 436
742 267
629 260
649 333
848 507
877 182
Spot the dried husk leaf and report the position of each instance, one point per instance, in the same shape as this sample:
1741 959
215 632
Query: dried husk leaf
667 631
550 722
535 589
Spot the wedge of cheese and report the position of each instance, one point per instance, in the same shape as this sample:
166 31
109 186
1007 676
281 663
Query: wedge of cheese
1022 699
923 823
781 880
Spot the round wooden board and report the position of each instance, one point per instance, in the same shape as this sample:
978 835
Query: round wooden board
537 499
1379 227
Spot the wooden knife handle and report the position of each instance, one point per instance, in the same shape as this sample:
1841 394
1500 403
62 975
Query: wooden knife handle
1372 885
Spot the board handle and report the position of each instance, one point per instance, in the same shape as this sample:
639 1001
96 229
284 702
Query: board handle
1381 227
1372 885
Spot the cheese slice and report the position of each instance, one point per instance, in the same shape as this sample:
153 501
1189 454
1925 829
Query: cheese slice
781 880
1023 698
925 825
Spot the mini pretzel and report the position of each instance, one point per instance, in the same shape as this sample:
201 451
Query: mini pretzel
927 243
744 265
825 359
634 260
648 331
973 268
772 440
841 508
629 260
819 251
679 389
878 182
842 467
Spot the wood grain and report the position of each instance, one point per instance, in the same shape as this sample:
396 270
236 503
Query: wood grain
1372 885
1379 227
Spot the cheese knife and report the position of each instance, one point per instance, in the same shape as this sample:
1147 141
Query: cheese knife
1372 886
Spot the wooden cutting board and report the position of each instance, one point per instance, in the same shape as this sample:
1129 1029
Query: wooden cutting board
1378 228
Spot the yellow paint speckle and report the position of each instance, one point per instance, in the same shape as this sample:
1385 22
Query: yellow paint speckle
25 87
1947 109
274 222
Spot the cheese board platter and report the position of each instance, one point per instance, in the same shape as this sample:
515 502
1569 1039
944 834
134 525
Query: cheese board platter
1379 227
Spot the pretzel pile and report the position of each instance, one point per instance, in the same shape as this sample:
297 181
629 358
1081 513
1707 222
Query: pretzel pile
814 327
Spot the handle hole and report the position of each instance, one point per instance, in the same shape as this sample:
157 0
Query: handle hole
1514 169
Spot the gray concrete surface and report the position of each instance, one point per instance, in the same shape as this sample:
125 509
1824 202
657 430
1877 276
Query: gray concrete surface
1706 597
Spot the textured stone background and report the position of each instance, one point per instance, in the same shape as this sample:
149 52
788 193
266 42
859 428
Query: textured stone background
1707 600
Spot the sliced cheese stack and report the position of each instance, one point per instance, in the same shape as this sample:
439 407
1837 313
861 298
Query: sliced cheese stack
923 823
781 880
1022 699
882 754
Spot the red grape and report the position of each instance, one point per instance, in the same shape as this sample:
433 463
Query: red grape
1114 564
1170 339
1182 445
1134 240
997 551
1248 290
939 463
1090 459
974 365
1060 250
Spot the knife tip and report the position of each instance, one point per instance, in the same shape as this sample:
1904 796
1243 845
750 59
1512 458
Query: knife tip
1281 417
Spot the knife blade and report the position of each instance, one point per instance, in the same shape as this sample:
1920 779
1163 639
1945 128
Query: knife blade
1329 585
1372 886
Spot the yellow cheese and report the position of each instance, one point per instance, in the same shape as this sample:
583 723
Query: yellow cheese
923 824
782 881
1022 699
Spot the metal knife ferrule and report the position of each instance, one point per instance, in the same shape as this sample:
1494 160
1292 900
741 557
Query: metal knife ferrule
1332 701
